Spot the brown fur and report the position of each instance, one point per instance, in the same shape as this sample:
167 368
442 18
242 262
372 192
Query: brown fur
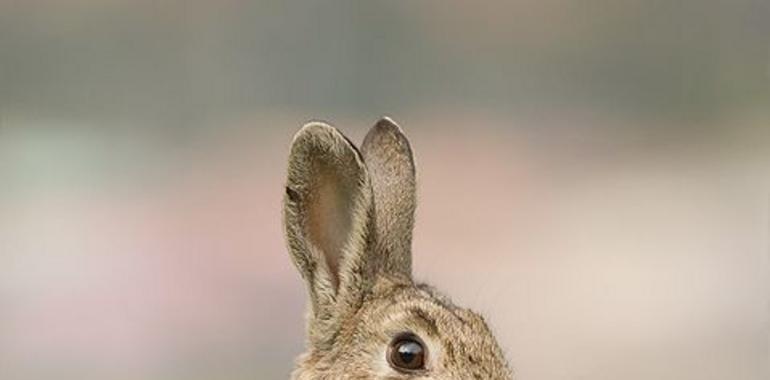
348 216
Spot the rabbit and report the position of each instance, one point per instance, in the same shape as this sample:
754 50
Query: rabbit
348 216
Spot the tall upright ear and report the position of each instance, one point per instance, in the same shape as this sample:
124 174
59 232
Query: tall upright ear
389 159
328 211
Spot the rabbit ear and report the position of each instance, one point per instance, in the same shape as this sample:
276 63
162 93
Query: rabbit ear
389 159
328 211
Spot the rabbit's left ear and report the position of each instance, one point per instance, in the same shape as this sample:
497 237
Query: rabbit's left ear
388 157
328 216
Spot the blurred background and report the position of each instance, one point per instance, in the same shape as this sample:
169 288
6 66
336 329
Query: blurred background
594 177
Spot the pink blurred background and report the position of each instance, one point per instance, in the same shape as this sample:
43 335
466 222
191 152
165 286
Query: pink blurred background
594 177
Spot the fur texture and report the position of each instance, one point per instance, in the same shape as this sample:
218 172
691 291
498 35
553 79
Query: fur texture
348 217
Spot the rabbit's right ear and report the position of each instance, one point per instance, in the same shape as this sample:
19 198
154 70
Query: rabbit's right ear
390 162
328 211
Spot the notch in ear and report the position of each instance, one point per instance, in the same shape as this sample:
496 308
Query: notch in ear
328 212
390 162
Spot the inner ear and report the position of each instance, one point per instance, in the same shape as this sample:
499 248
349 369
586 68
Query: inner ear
330 216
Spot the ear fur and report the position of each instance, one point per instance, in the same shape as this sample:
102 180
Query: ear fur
390 162
328 215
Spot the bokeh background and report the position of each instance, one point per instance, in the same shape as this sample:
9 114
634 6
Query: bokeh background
594 177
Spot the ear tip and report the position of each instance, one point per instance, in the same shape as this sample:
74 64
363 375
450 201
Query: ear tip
318 137
385 132
314 127
319 130
386 123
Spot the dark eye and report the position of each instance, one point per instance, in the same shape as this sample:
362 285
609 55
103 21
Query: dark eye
407 353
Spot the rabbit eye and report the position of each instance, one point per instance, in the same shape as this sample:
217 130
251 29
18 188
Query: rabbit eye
407 353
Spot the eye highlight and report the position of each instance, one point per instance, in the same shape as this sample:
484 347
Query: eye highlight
407 353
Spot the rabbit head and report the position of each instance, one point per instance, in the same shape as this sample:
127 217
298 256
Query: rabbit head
348 217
